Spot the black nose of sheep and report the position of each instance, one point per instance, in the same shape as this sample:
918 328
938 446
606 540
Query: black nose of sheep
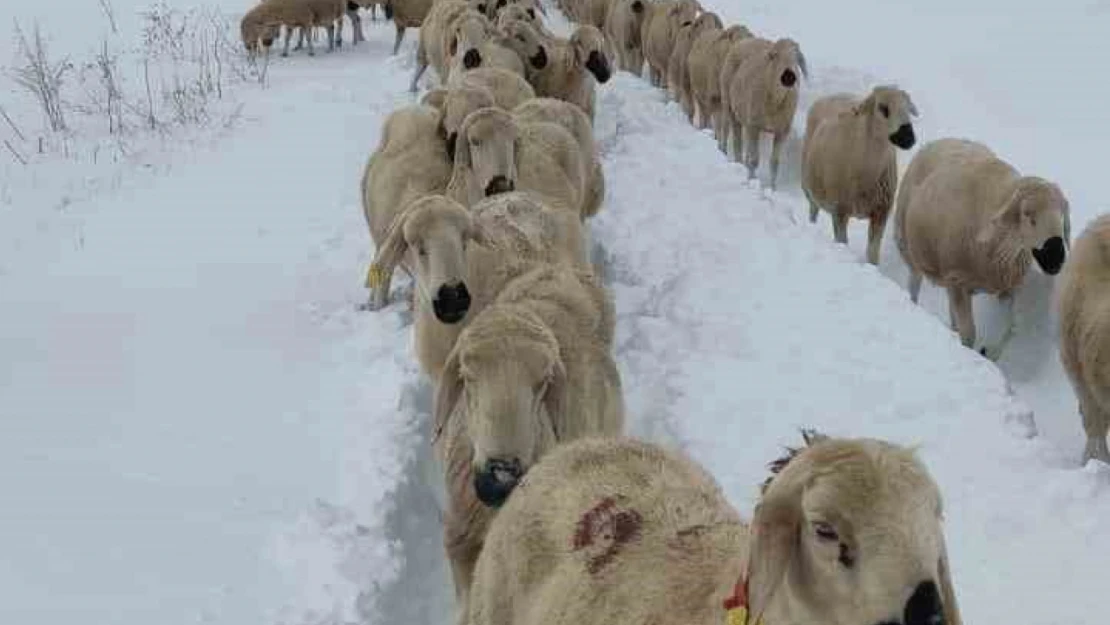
598 66
539 59
922 608
499 184
904 137
451 303
1051 255
788 78
472 59
496 480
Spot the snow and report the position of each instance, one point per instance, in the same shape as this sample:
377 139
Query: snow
197 425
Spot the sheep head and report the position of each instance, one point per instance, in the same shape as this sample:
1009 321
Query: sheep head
467 33
1037 216
522 38
505 369
890 110
485 154
255 27
848 532
515 13
783 60
436 229
588 48
737 32
683 11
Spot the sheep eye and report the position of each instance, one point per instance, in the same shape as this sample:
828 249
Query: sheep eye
532 13
421 250
520 38
824 531
482 8
884 110
845 557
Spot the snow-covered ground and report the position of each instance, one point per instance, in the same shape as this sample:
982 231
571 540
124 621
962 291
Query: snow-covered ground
196 425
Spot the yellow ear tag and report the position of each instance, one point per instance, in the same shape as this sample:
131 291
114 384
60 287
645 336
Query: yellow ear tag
738 616
375 276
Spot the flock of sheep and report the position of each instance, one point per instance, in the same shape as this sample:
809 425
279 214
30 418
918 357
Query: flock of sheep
481 193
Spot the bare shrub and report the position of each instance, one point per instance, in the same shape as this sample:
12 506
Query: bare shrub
42 77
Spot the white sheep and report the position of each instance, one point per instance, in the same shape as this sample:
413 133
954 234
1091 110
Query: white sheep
623 26
738 51
574 119
461 259
969 222
532 370
494 153
263 21
1085 332
609 530
678 79
573 67
439 39
849 165
763 96
410 160
703 68
658 32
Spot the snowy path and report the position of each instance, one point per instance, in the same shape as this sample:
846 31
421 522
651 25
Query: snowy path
196 425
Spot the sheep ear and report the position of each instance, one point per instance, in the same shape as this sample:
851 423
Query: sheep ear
1006 217
866 106
947 590
453 47
462 146
802 65
555 397
388 254
911 106
774 537
448 391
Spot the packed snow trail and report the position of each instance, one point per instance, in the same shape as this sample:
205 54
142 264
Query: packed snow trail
198 425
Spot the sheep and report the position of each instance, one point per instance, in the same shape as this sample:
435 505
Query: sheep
494 153
440 34
703 67
763 95
738 51
1085 332
970 222
618 530
461 259
849 166
623 26
262 21
660 27
531 371
409 161
575 121
573 66
678 79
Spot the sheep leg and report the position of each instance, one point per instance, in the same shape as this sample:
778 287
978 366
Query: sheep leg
356 24
914 285
737 138
959 309
751 149
776 155
875 227
288 36
1096 424
840 226
995 351
400 36
332 39
814 210
300 37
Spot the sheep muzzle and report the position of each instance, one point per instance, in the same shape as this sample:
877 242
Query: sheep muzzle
451 303
499 184
539 60
472 59
598 66
788 78
1050 256
903 137
496 480
637 6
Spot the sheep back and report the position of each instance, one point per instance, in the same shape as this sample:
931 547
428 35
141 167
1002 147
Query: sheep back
607 530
